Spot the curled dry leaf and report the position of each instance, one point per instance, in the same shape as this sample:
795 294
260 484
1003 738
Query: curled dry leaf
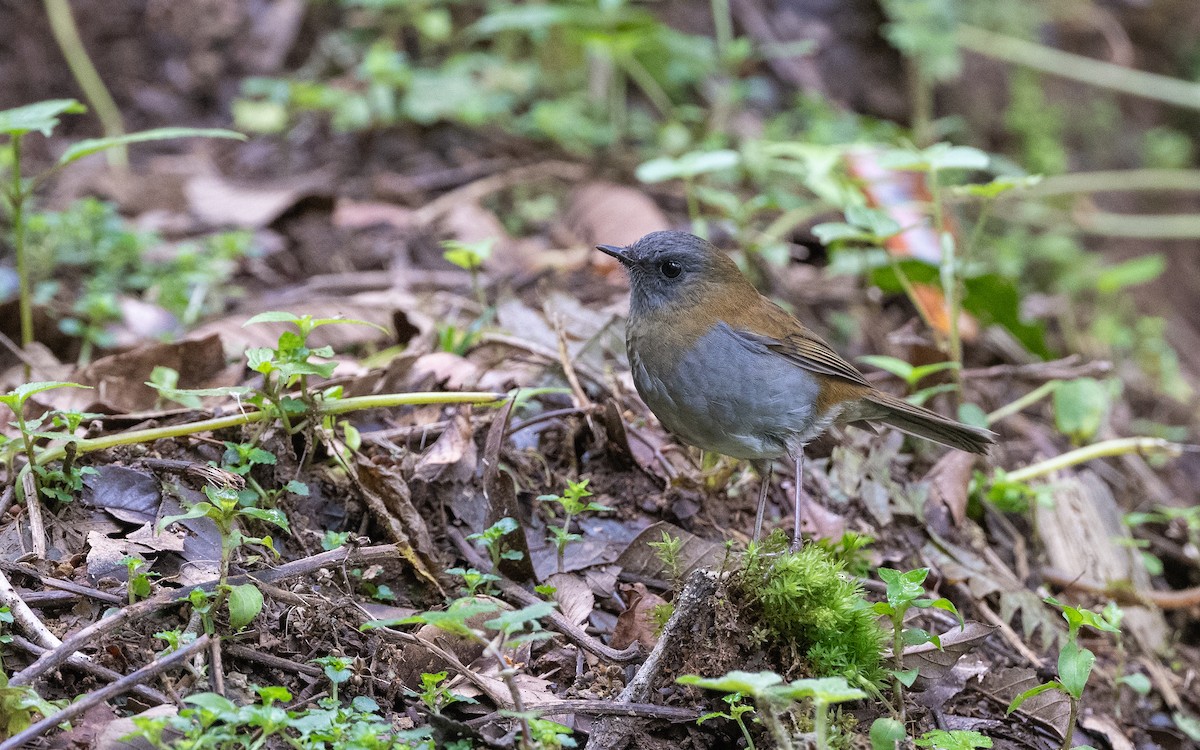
949 480
574 596
220 203
452 457
636 624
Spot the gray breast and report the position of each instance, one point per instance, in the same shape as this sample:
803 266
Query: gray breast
730 395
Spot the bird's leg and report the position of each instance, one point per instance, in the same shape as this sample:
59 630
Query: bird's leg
799 495
764 472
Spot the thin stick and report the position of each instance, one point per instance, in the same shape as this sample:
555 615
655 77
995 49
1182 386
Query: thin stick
23 616
123 685
80 662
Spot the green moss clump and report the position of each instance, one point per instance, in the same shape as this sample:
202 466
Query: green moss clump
807 598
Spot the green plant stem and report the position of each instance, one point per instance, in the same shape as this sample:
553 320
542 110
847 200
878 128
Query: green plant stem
922 103
1071 719
1079 68
66 34
723 28
341 406
898 666
1114 180
951 289
911 292
1024 402
821 724
745 732
18 197
1105 449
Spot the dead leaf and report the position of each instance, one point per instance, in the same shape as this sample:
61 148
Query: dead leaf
1107 727
219 202
935 663
574 596
352 214
613 214
128 495
1052 708
452 457
388 497
949 480
641 560
444 370
636 624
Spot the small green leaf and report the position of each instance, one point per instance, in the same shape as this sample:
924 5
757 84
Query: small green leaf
823 690
1130 273
1080 407
1137 682
245 602
39 116
906 676
1016 702
93 145
895 366
516 620
688 165
887 734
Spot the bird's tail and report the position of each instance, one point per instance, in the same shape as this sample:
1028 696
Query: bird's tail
919 421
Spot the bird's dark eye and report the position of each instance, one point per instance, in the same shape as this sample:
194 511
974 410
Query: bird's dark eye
670 268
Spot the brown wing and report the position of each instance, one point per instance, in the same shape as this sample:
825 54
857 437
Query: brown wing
807 350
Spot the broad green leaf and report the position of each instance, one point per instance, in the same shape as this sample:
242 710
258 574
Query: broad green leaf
691 164
948 606
245 602
906 676
823 690
199 510
94 145
270 515
39 116
1080 407
887 734
211 702
997 186
955 739
919 637
1137 682
754 684
272 316
1074 668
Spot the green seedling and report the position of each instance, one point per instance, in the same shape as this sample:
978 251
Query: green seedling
15 401
241 458
43 117
476 582
435 695
735 713
573 502
492 539
337 670
1080 407
19 705
773 698
138 581
1074 663
290 363
6 622
904 592
225 510
667 551
850 549
507 630
176 639
470 256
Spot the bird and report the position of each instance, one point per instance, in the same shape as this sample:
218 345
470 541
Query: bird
727 370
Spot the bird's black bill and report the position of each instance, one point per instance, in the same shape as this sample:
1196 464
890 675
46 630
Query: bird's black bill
616 252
